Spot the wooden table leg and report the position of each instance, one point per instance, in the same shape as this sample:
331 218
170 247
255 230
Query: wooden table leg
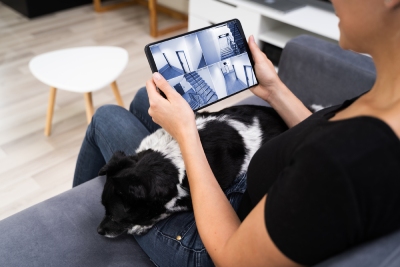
117 94
50 110
153 18
99 7
89 106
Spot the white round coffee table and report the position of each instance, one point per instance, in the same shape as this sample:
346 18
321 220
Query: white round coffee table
81 70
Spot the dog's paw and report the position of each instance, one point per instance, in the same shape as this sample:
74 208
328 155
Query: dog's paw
139 229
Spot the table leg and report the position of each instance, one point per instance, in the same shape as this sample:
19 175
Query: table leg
89 106
153 18
99 7
117 94
50 110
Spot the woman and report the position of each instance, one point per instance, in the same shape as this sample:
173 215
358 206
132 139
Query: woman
334 183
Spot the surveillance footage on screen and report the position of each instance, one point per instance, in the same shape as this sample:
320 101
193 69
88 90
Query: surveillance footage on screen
207 65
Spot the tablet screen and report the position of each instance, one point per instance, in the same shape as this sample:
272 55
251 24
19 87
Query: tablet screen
206 65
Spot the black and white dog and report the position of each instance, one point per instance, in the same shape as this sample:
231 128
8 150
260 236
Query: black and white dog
145 188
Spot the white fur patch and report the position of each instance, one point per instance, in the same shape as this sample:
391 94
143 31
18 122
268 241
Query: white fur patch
139 229
170 206
252 137
161 141
316 107
142 229
202 121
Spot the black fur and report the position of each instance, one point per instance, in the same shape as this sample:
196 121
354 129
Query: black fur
139 187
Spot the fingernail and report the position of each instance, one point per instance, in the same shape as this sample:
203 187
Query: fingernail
156 76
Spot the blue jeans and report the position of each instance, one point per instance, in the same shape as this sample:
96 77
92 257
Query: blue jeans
114 128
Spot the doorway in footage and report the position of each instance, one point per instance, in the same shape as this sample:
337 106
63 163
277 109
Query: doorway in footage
222 42
232 75
183 60
250 78
178 56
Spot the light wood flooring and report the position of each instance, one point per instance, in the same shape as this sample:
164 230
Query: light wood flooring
34 167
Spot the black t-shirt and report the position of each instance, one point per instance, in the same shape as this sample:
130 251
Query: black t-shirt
331 185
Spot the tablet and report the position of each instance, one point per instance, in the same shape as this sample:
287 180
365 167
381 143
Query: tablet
206 65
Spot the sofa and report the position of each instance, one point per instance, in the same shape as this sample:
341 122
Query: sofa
61 231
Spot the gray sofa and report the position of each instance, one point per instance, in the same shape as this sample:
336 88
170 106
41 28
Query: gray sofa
61 231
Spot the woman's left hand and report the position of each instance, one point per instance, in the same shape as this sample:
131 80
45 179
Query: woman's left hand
174 113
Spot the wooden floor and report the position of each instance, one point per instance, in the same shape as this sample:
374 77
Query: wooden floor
34 167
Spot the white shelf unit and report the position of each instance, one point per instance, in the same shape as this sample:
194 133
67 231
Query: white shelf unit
281 34
266 24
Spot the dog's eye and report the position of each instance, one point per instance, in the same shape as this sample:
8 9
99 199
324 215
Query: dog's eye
119 192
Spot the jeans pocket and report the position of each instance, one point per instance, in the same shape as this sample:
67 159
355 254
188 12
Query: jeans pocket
181 227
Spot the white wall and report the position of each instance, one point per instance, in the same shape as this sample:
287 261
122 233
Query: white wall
170 47
205 74
209 46
218 80
158 57
175 81
194 50
185 85
239 62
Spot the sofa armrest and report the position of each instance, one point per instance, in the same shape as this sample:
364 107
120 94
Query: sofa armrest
62 231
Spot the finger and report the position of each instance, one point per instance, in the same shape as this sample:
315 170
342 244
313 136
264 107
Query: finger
257 54
164 86
152 92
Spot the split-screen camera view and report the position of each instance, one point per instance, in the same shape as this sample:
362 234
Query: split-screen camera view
207 65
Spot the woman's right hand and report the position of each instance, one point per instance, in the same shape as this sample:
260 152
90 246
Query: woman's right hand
269 82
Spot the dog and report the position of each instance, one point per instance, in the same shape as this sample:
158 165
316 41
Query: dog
144 188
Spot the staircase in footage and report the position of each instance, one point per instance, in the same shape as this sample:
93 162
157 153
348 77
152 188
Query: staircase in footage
227 52
201 93
235 43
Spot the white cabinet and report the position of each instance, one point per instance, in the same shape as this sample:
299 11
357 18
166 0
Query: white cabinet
264 23
178 5
197 23
207 12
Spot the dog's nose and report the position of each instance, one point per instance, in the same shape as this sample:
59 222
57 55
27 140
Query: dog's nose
101 231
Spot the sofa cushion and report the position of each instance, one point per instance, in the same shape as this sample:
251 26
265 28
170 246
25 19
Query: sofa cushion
319 72
62 231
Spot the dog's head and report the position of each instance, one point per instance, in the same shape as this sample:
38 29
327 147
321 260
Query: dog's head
136 191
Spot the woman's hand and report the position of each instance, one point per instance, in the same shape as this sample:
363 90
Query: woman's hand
174 113
269 82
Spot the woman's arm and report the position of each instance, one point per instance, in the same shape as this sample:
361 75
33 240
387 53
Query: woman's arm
228 242
272 89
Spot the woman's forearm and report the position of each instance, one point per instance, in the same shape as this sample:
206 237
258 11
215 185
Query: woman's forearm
288 106
216 220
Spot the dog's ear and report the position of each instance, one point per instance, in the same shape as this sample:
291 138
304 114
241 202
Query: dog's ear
118 161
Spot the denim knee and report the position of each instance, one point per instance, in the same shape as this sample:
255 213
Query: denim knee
141 99
106 113
140 108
